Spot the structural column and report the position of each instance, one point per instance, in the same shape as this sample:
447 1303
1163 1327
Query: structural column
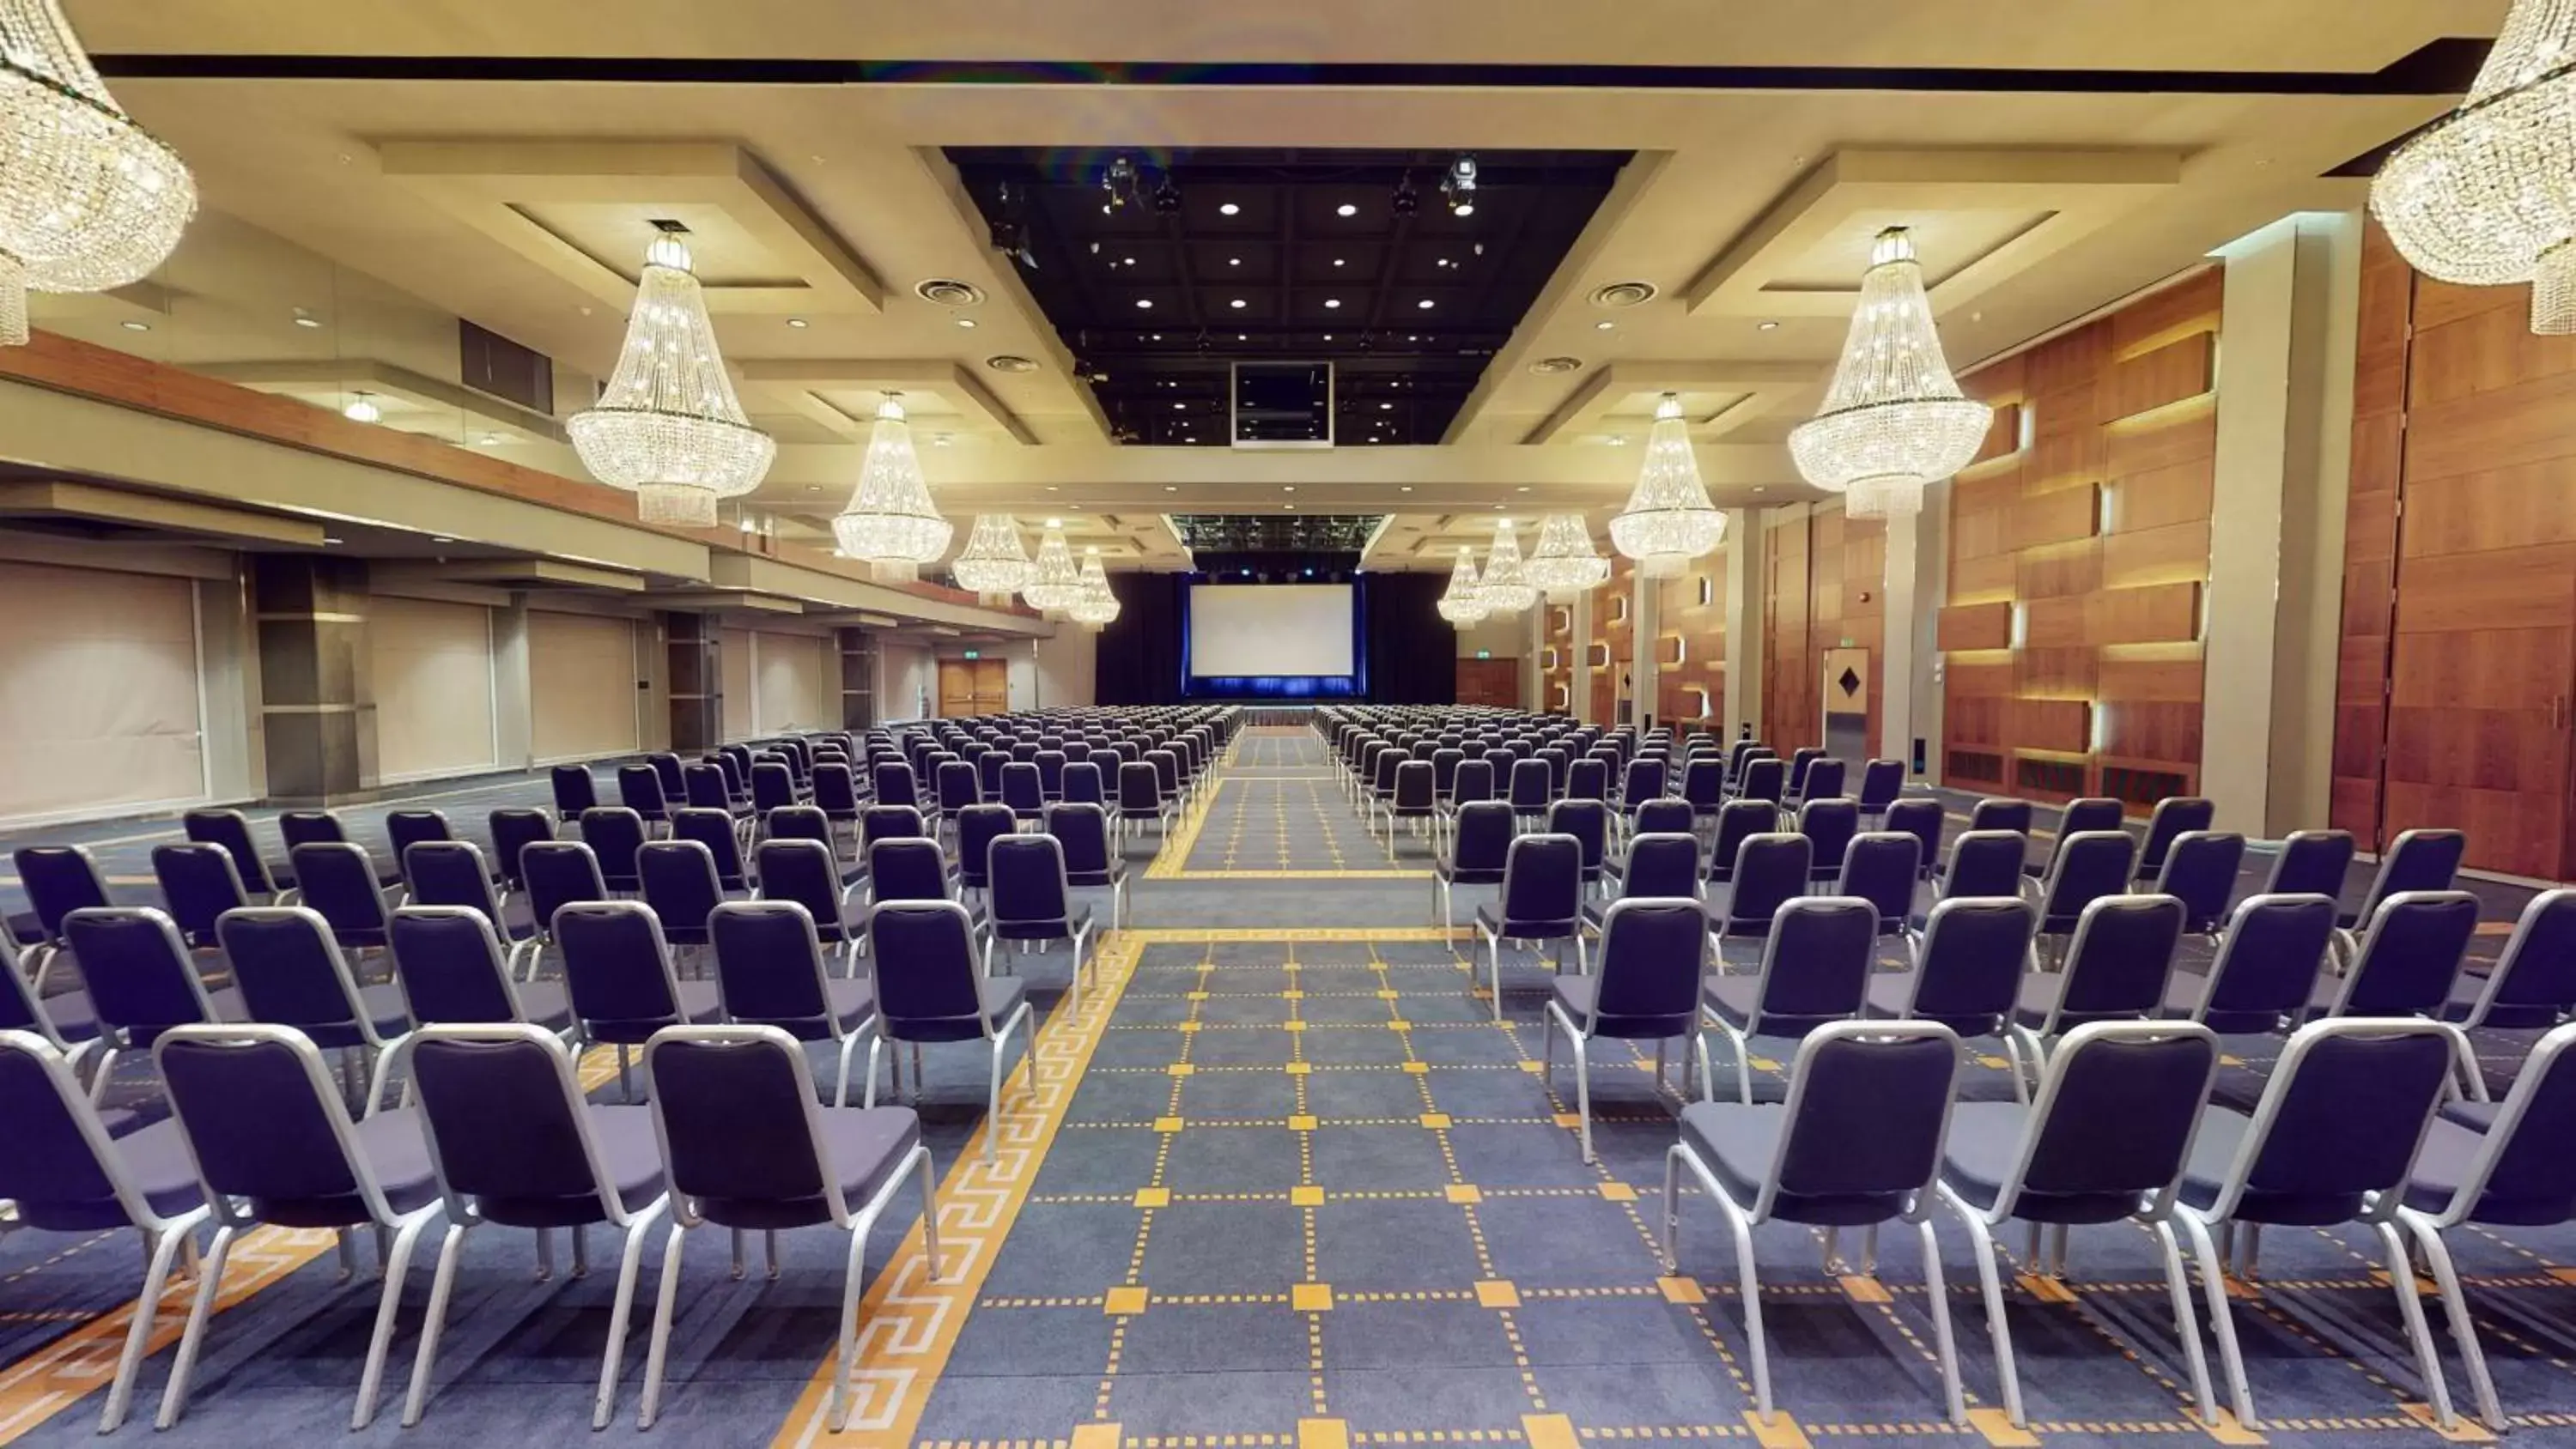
696 672
317 704
858 679
1744 584
2277 520
1579 675
1645 619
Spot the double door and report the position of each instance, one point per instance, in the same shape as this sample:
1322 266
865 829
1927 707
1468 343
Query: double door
972 687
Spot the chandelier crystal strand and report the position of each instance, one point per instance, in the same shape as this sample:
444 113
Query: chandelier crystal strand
89 200
1056 581
1096 605
1504 590
1669 520
2487 195
1894 420
1562 563
668 428
1464 603
889 523
995 563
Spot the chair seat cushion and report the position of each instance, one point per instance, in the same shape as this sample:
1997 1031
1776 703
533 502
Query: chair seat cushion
74 1018
26 928
1001 996
2213 1154
1738 1143
852 1002
1525 929
1984 1141
1733 998
2037 998
545 1004
1061 929
2476 1116
397 1148
157 1158
867 1146
628 1151
518 919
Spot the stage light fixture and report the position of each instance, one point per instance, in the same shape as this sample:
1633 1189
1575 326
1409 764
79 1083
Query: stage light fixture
1459 186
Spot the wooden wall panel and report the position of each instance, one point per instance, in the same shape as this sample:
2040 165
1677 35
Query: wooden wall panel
1614 639
2096 539
1556 656
1490 681
1789 702
1691 622
1827 580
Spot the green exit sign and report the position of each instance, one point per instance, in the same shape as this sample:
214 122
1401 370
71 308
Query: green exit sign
974 653
1484 653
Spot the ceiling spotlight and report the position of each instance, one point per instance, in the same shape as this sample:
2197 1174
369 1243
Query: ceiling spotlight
362 409
1328 337
306 319
1289 488
1229 209
1424 304
1404 488
1180 407
1766 326
1237 303
133 326
1386 407
801 322
1144 304
1154 336
1328 301
1337 261
1234 261
1604 325
1117 183
1167 198
1346 209
967 322
1171 488
1406 200
1459 186
942 440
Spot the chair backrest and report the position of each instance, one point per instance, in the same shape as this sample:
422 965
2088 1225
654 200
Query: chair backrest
1985 863
1588 821
447 959
561 872
639 788
680 885
309 827
1654 952
1829 823
290 971
2342 1116
805 822
1473 781
1167 770
1483 835
2410 954
508 1129
1662 864
614 833
1529 787
1542 891
803 871
2417 860
1882 867
714 830
884 822
1662 817
2266 968
1920 818
1881 782
2113 1122
1703 782
1140 788
1022 787
2311 862
1083 830
1803 760
907 868
617 970
2199 869
265 1126
2120 961
2522 1173
514 829
958 786
407 828
666 768
978 826
836 788
198 883
1737 822
1027 880
707 787
58 880
1974 951
136 970
1765 777
2175 816
1815 964
2534 981
740 1127
1414 790
574 790
1824 779
61 1173
338 879
768 967
1050 765
230 829
2085 815
450 873
1998 813
926 972
1770 871
1642 780
1869 1107
2088 866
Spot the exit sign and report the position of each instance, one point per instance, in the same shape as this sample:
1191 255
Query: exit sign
974 653
1484 653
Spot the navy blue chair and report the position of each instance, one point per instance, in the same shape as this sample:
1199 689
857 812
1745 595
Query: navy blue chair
514 829
1480 843
682 889
198 884
407 828
1967 973
769 972
640 788
803 871
1983 863
1030 901
1529 794
1829 823
957 787
337 879
58 880
894 783
2199 870
1090 863
1765 779
746 1146
1704 786
1802 1161
2174 817
272 1145
321 827
836 794
1588 822
1654 955
514 1142
2089 815
66 1020
930 989
1737 822
2409 959
2086 867
574 791
290 973
230 829
560 872
1822 781
1656 863
1540 900
618 977
2310 862
2265 973
2416 861
2533 985
1882 782
1920 818
452 873
2000 813
447 960
1771 869
1141 797
68 1170
1584 779
713 829
1083 786
614 835
1815 969
2119 968
1668 816
978 826
1882 867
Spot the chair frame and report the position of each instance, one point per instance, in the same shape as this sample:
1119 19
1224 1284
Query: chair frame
1579 1034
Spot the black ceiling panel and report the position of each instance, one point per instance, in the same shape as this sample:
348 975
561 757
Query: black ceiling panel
1157 289
1275 533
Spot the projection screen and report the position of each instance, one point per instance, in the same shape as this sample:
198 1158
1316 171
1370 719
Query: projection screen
1242 630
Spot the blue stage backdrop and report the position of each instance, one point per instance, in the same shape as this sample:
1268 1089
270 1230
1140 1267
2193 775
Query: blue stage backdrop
1404 652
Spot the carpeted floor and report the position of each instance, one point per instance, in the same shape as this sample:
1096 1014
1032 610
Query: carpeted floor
1282 1179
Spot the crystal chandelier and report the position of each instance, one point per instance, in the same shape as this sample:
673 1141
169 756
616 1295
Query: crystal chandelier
88 200
1464 603
1669 520
1504 591
668 428
1562 562
889 523
995 562
1893 421
1096 605
1056 581
2487 195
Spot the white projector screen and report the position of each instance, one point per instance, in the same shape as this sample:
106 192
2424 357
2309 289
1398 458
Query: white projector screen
1270 629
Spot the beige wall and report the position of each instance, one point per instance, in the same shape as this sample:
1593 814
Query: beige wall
581 671
99 693
907 682
788 683
1066 669
432 670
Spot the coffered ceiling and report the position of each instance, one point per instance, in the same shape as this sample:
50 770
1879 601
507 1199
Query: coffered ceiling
1677 201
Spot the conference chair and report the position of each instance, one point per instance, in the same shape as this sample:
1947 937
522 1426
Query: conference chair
338 880
2409 959
682 890
290 973
714 830
407 828
1967 974
931 989
1089 861
452 873
1999 813
514 829
1829 823
560 872
322 827
1816 962
230 829
58 880
1654 955
1920 818
2118 967
66 1020
2533 984
615 834
769 972
1540 900
2200 869
1030 900
2174 817
198 884
1765 779
640 788
1882 783
2086 867
802 870
618 977
2310 862
1588 822
1480 841
2091 815
2264 977
448 963
2416 861
1881 867
1771 870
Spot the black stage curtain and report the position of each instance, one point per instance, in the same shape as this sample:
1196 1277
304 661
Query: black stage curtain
1412 651
1139 654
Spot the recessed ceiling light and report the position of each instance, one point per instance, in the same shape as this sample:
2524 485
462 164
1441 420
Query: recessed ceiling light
1337 261
1328 301
1055 523
1524 488
1766 326
1618 442
306 319
1424 304
965 321
1757 488
1234 261
1404 488
1243 337
1289 488
1180 407
1290 506
1346 209
1328 337
1157 336
1604 325
1126 261
362 409
1237 302
1171 488
1386 407
813 487
1228 209
1050 488
1144 304
801 322
942 440
441 538
132 326
326 538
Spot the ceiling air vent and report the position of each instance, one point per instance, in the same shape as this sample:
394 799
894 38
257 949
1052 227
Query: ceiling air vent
1008 362
1549 366
1623 294
948 292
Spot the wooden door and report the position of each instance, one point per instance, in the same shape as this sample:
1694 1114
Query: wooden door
1490 681
957 688
992 686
